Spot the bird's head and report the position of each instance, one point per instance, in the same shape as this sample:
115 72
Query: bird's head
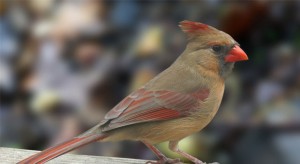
210 48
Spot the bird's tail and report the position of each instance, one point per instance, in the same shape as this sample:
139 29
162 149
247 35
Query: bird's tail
62 148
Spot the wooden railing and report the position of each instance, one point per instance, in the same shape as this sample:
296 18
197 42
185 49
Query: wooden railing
11 156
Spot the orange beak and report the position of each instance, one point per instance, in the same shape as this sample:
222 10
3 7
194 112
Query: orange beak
236 54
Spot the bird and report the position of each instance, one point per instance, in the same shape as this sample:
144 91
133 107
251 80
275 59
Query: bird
178 102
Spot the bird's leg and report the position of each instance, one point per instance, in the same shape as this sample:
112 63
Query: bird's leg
173 145
162 158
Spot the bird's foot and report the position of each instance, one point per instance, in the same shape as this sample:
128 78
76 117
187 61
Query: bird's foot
165 161
198 162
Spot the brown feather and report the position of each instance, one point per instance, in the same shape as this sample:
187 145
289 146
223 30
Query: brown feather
155 106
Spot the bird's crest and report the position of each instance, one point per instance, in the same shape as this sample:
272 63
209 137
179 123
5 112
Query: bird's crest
193 28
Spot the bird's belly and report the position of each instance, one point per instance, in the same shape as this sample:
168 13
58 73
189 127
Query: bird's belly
176 129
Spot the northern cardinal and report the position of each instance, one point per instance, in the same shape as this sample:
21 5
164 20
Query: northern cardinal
180 101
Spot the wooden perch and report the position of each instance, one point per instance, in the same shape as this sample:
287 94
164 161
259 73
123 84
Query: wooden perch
11 156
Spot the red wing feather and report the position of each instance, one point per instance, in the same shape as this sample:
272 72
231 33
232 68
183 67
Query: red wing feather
144 106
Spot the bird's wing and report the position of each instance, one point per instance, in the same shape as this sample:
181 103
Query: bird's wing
145 106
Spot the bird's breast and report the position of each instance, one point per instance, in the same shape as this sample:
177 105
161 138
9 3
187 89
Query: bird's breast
209 107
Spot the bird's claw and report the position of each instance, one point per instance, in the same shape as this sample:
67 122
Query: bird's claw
165 161
175 161
200 162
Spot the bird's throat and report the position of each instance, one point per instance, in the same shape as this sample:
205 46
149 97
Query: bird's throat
226 69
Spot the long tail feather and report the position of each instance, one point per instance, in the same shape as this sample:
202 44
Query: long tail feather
50 153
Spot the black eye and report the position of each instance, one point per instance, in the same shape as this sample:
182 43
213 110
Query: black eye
217 48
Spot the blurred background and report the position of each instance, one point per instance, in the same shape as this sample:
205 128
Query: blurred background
64 64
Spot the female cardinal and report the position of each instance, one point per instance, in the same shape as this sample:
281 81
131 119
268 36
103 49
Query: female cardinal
180 101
